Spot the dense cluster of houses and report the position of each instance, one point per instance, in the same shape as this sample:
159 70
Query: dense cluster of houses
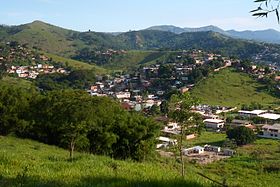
32 72
145 87
14 54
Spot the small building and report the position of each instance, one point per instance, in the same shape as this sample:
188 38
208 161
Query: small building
211 148
215 124
165 142
271 131
193 150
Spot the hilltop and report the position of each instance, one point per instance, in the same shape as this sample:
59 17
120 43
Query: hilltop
269 35
68 43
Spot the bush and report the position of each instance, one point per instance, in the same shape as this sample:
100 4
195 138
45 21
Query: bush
241 135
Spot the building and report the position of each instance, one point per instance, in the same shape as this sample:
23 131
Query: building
215 124
165 142
193 150
270 116
211 148
253 113
271 131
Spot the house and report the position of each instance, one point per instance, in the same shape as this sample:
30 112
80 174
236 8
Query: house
211 148
123 95
171 126
165 142
215 124
193 150
271 131
254 113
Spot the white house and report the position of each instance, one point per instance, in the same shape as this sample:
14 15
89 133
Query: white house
271 131
171 126
123 95
215 124
196 149
165 142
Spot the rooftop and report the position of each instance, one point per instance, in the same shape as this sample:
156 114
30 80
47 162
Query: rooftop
214 121
270 116
255 112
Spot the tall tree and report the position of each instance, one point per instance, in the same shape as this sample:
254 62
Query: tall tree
180 111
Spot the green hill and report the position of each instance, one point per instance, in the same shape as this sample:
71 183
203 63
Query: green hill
230 88
68 43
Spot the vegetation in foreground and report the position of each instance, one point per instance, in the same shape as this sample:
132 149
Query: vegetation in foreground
28 163
230 88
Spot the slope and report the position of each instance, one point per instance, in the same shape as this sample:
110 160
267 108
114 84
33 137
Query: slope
230 88
76 64
28 163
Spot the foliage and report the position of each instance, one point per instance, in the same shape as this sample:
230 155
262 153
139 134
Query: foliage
180 112
241 135
77 79
74 120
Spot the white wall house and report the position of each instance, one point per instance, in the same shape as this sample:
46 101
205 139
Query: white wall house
215 124
271 131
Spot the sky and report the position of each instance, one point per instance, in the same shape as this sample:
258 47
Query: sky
124 15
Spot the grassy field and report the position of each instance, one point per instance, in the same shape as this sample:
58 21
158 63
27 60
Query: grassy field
29 163
211 138
229 88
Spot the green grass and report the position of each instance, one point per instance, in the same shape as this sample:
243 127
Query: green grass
28 163
254 165
230 88
211 138
77 64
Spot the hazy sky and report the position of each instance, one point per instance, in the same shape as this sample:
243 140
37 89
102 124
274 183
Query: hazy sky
124 15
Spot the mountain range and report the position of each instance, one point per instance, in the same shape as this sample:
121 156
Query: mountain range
68 43
269 35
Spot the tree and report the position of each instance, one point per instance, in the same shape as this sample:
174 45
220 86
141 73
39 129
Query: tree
241 135
68 116
180 112
266 7
3 69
